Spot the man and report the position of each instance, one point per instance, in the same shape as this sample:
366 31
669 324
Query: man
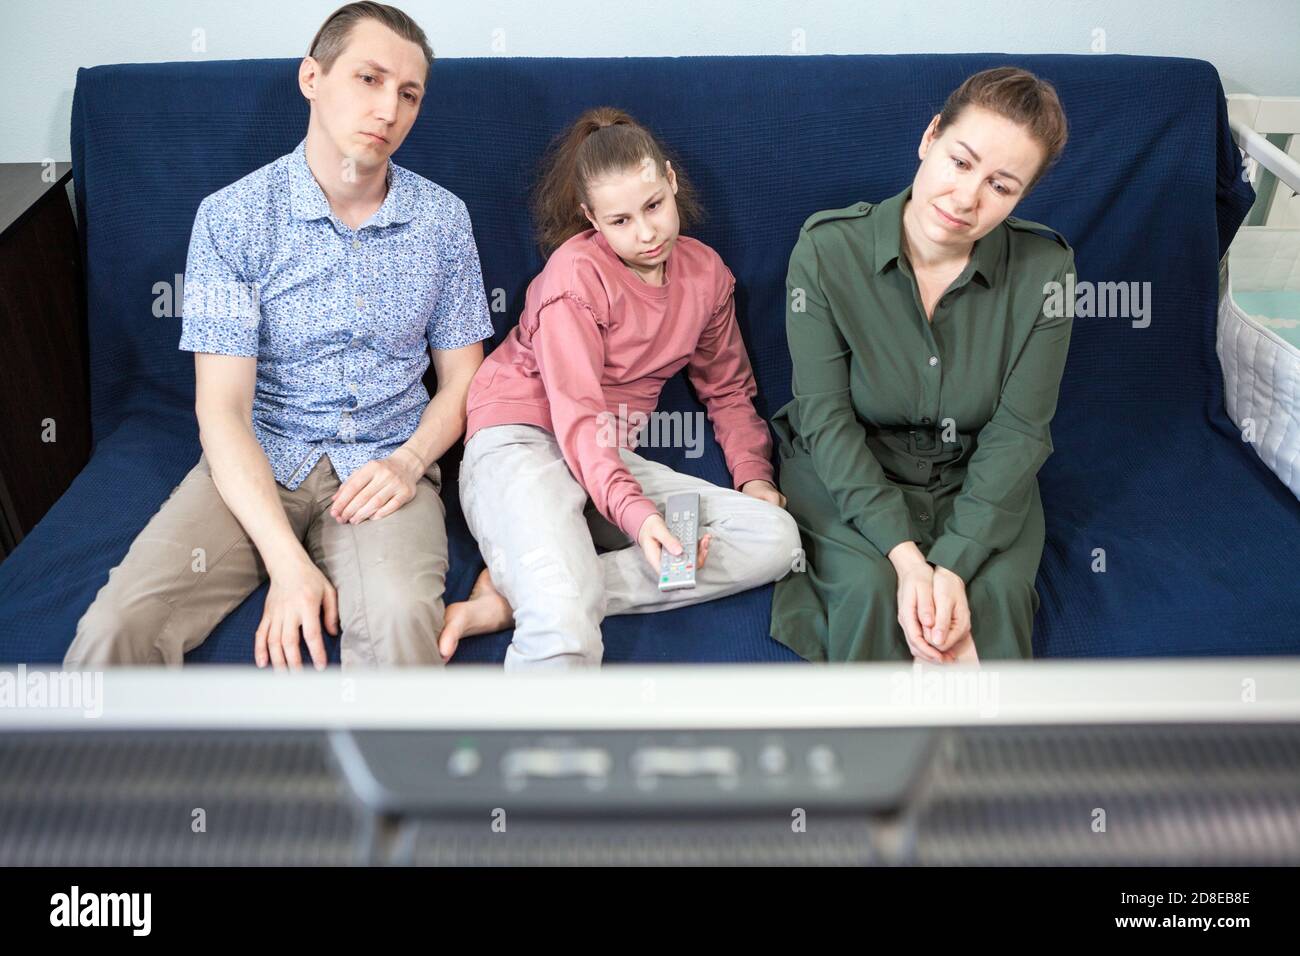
316 288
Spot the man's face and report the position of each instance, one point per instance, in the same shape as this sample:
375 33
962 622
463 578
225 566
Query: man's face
972 175
371 96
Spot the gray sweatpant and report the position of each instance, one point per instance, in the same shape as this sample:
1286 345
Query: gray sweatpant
538 531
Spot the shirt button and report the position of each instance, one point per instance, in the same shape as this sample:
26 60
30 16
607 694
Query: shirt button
934 359
356 243
352 387
361 302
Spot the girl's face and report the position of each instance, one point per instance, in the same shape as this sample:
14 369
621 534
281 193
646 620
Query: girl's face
972 176
636 212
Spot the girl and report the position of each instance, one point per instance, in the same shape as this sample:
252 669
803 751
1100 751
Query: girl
624 302
927 361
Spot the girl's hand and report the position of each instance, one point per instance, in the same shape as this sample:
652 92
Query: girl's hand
951 611
764 491
654 536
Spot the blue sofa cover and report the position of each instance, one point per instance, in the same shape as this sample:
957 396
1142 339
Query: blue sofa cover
1200 538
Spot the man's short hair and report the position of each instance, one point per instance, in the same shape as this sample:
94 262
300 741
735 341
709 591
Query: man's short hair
332 37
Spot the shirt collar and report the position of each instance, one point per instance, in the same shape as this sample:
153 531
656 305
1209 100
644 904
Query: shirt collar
307 200
986 258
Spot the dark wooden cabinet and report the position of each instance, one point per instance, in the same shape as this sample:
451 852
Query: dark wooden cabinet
45 375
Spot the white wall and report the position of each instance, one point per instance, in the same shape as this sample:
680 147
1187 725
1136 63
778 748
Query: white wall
1255 44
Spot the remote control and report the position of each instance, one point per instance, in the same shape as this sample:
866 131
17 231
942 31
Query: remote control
682 514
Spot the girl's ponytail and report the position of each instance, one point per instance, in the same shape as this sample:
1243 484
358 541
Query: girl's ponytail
603 140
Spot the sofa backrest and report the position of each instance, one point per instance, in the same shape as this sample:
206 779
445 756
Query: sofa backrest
1147 190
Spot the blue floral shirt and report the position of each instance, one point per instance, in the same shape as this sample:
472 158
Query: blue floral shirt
341 320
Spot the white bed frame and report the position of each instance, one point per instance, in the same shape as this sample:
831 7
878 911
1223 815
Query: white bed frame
1251 118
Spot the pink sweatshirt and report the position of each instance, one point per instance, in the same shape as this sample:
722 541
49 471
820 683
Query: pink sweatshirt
593 336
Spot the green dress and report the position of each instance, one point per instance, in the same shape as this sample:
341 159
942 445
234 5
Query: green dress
906 429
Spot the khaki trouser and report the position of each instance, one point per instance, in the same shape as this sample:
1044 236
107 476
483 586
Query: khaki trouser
194 563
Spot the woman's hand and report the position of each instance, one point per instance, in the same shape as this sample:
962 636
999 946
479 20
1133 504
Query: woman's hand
763 490
964 650
916 610
654 536
951 611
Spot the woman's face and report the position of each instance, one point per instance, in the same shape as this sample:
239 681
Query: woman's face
636 212
972 175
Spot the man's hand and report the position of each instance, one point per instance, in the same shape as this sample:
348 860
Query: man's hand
293 605
654 536
764 491
378 488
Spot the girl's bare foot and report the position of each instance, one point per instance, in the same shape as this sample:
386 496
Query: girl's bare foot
484 612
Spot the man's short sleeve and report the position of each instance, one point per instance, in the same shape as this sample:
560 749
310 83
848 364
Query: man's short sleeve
221 311
460 312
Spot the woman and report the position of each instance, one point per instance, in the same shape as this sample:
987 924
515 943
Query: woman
926 372
624 302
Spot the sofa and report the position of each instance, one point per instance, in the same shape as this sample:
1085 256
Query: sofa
1166 535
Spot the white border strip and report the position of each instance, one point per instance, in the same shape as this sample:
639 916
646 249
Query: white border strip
1250 689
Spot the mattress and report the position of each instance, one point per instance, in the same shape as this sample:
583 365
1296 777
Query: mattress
1258 342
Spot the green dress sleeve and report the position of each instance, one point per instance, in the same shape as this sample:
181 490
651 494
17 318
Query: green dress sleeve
828 424
990 509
